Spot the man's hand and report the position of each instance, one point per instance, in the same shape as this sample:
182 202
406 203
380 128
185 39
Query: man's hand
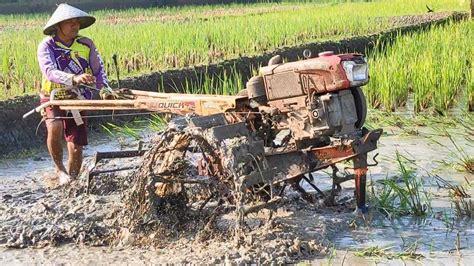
83 79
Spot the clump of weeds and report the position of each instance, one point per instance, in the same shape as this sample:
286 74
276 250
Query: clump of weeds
121 131
457 153
403 195
373 252
460 199
378 119
378 253
134 129
157 122
464 207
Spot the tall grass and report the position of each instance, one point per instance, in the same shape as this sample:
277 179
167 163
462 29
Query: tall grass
457 153
436 66
227 83
403 195
147 45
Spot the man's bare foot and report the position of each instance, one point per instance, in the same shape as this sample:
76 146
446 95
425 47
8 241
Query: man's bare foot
64 178
51 180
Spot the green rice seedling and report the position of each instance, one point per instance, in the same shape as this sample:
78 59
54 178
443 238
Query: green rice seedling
157 122
464 207
448 221
376 252
383 199
122 131
227 83
470 90
461 158
160 39
422 64
135 129
404 196
409 252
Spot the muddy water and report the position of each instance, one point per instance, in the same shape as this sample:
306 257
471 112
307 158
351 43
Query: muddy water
435 236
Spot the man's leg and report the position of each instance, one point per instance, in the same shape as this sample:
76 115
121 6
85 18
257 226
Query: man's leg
76 137
75 158
54 143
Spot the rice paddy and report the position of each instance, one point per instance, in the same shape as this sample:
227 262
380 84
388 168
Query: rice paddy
435 66
149 40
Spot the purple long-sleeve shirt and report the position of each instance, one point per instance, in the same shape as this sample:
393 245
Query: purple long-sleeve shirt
60 63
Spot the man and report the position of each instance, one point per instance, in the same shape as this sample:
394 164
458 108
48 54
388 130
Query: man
66 61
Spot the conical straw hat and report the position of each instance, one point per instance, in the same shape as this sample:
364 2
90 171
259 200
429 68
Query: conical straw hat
65 12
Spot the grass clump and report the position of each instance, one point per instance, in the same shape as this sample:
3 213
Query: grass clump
379 253
135 129
457 153
403 195
227 83
460 198
121 131
376 252
463 207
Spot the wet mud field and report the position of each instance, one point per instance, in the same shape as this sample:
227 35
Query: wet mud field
41 223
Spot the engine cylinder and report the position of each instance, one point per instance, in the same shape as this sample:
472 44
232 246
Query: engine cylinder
256 89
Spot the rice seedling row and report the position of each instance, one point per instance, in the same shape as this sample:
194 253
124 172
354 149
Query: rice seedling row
435 66
150 46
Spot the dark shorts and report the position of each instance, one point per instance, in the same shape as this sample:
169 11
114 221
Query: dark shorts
72 132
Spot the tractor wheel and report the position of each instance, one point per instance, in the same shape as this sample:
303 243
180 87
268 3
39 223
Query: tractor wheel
361 106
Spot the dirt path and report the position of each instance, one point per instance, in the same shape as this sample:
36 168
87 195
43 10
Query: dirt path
297 232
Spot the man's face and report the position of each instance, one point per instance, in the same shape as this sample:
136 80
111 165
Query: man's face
70 28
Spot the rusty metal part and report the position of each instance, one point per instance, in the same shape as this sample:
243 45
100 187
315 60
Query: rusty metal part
305 195
99 172
271 204
360 171
209 165
91 172
292 164
313 185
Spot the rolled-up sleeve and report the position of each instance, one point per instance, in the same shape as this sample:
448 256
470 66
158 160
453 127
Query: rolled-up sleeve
49 68
97 67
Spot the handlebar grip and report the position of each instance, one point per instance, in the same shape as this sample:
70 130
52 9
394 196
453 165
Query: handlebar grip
37 109
29 113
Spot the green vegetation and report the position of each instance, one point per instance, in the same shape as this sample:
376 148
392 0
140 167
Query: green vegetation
464 207
228 83
149 40
402 195
456 152
460 199
436 66
378 253
134 130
